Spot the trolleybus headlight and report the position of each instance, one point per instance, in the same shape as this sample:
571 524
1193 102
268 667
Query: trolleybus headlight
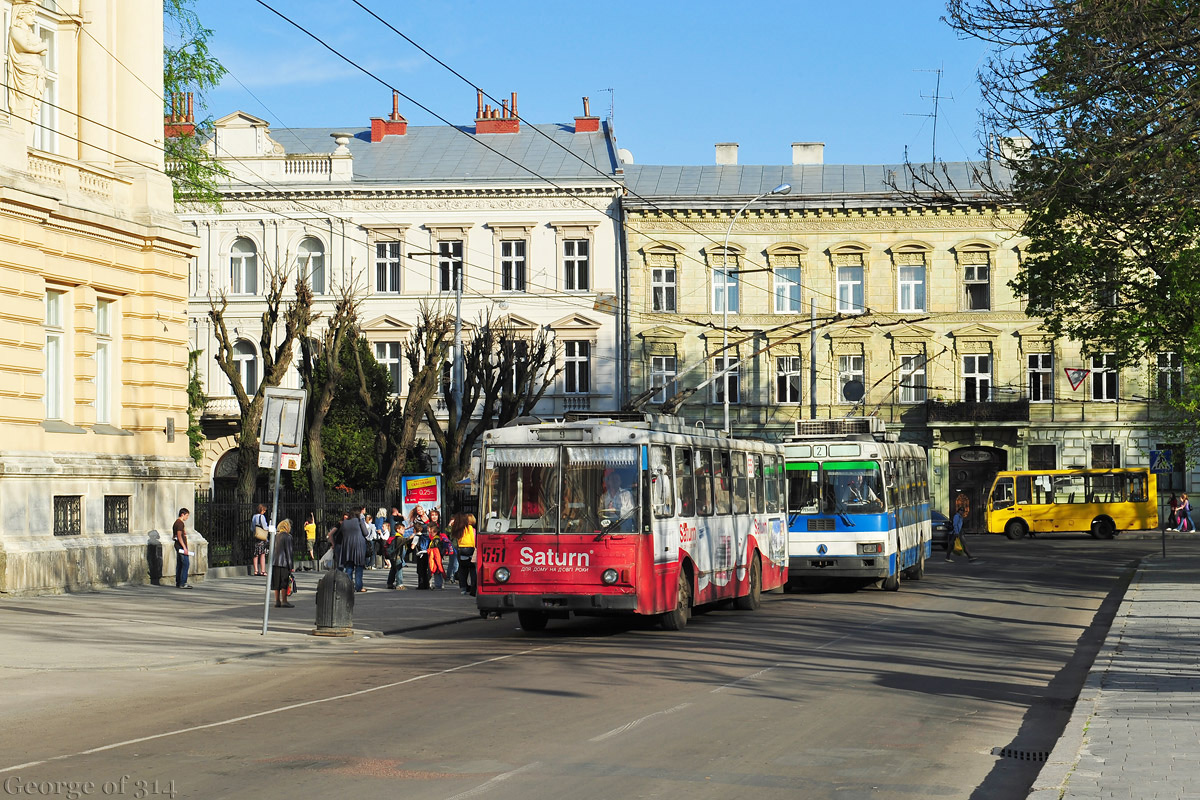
609 576
501 575
869 549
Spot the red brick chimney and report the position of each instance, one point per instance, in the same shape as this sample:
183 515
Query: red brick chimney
395 125
181 121
587 123
496 120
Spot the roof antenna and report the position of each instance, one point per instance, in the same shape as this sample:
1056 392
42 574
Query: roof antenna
935 97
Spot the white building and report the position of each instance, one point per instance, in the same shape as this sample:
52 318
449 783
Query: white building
528 213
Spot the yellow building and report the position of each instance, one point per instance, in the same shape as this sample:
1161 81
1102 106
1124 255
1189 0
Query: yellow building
915 321
93 332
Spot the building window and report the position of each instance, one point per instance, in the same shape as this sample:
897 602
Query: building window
788 378
1041 377
577 367
68 515
1175 480
1042 456
977 280
662 289
977 379
850 290
516 352
662 375
912 379
243 267
310 263
787 290
450 265
850 370
104 361
55 343
246 359
512 265
387 267
575 265
1170 376
728 383
912 285
45 136
116 513
390 357
725 287
1106 456
1104 377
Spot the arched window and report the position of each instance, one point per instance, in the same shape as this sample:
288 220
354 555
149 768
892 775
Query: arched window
243 267
310 263
246 358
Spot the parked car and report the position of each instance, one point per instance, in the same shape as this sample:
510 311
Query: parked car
941 526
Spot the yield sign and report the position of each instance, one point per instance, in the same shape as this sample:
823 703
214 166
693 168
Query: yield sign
1076 376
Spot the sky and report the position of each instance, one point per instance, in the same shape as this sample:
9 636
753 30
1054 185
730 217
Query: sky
678 77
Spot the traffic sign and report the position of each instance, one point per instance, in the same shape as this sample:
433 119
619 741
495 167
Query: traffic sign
1162 461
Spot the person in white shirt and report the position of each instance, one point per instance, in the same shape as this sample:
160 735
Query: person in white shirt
616 504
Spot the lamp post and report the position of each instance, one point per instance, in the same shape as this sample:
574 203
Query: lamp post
782 188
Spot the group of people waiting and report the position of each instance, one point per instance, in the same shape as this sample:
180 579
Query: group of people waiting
361 541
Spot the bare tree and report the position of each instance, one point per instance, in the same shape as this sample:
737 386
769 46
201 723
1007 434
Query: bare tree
276 351
506 372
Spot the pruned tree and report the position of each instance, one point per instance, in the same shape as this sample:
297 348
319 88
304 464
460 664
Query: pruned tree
321 372
506 372
275 349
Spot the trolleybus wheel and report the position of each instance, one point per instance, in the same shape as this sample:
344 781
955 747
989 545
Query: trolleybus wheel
532 621
892 582
1104 528
752 600
678 618
1015 529
917 572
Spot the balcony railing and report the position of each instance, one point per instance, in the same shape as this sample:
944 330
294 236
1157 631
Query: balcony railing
1010 411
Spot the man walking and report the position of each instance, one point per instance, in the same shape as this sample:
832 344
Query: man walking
956 535
183 560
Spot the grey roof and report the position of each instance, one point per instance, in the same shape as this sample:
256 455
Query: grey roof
442 153
811 183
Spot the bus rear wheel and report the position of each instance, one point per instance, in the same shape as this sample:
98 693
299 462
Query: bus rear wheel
677 619
533 621
753 600
1104 528
1015 529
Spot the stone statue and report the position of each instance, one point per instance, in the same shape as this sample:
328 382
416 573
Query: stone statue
26 70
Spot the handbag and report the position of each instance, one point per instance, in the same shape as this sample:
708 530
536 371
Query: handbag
958 548
261 533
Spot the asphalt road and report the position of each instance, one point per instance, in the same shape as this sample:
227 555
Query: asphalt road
832 694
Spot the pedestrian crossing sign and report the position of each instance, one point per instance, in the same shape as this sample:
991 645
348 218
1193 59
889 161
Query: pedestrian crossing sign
1161 461
1077 375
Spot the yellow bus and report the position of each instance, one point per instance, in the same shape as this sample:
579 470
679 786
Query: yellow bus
1101 502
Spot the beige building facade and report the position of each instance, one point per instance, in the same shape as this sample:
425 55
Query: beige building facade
846 298
94 460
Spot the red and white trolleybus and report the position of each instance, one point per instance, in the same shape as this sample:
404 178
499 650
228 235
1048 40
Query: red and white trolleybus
627 514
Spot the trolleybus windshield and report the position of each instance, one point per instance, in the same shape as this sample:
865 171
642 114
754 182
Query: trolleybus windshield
835 487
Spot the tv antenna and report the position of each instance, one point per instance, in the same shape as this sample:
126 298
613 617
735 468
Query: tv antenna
935 97
612 101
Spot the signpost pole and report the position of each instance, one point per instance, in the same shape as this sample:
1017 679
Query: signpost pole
275 520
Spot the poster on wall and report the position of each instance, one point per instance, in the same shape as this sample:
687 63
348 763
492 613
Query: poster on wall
422 490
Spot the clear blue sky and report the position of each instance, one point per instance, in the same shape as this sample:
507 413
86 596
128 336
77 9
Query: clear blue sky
684 75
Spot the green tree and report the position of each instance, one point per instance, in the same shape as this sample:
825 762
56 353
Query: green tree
1093 108
189 67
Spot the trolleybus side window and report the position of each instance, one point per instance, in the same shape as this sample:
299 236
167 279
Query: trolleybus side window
1024 489
1137 488
662 498
754 496
774 480
722 480
704 490
685 481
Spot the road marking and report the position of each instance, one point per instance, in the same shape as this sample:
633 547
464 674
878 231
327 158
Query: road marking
270 711
483 787
636 722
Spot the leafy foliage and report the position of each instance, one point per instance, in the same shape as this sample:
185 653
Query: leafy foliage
190 66
195 408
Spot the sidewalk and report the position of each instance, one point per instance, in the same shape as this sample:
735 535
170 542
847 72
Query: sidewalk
1135 731
157 627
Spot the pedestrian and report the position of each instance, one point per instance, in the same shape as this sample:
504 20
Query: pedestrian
462 526
260 520
449 547
420 526
1184 513
281 563
381 536
956 534
395 553
354 535
183 559
310 541
1173 520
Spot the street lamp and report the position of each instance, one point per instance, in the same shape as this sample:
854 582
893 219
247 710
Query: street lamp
782 188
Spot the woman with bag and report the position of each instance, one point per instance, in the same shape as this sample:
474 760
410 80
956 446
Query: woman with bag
281 564
1184 514
260 527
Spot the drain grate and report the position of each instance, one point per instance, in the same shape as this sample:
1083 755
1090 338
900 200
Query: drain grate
1021 755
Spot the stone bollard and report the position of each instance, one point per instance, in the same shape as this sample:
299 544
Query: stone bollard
335 604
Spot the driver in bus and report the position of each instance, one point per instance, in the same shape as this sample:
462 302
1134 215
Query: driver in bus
616 504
